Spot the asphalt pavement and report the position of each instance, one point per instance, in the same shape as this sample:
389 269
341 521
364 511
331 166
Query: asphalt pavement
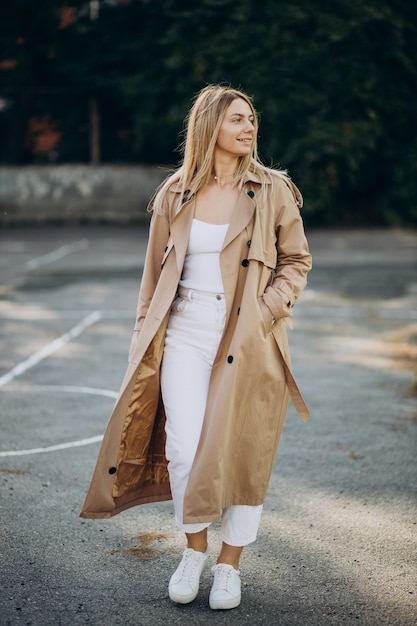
337 543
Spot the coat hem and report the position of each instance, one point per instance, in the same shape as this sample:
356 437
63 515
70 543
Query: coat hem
216 517
127 504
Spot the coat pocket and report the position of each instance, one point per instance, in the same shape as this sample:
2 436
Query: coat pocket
267 316
179 304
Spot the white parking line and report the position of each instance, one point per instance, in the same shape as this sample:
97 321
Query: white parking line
60 446
57 254
33 360
66 388
34 314
94 391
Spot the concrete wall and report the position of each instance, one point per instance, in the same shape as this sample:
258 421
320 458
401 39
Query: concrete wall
76 193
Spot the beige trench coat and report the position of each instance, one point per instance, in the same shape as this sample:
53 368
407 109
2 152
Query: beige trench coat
264 262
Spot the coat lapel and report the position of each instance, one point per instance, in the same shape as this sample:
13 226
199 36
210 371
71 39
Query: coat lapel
183 217
180 231
242 215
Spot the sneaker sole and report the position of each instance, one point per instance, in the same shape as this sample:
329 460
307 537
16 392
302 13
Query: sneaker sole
225 604
182 599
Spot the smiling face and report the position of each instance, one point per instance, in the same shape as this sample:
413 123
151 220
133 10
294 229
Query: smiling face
237 131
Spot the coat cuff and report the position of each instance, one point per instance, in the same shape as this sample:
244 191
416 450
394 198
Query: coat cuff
280 299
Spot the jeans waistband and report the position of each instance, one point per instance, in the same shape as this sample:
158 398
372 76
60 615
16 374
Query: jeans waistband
195 294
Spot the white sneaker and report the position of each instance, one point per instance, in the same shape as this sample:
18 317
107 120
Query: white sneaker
225 592
185 581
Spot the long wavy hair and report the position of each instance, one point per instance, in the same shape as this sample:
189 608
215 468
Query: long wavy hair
202 129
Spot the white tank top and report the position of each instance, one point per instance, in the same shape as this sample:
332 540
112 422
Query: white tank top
202 261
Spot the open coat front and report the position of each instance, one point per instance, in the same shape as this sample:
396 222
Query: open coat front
264 262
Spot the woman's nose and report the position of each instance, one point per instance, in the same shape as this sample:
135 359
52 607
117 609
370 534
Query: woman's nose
249 126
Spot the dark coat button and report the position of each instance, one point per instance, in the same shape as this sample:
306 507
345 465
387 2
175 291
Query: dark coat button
251 194
230 359
166 248
112 470
238 311
245 262
249 243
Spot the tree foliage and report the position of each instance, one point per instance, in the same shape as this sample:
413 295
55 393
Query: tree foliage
334 82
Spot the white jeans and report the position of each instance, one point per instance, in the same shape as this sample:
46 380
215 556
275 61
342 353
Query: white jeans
193 334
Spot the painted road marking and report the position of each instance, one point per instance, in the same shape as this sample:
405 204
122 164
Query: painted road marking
60 446
66 388
57 254
38 314
94 391
33 360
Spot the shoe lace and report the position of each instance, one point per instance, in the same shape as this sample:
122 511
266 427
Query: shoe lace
190 564
223 578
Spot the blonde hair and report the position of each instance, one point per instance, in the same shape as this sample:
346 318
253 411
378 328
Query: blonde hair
202 128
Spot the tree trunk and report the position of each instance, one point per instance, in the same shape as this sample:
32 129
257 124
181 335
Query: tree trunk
94 131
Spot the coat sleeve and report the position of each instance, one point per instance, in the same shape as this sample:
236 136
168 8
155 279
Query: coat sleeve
294 259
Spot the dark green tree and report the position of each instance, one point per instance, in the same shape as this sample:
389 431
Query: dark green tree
334 82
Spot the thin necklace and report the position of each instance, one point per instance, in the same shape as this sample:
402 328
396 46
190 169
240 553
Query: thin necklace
223 177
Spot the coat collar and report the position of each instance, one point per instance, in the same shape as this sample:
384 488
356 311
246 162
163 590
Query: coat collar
181 224
250 177
245 208
183 216
182 220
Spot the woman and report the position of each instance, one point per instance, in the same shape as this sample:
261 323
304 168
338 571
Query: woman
204 399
